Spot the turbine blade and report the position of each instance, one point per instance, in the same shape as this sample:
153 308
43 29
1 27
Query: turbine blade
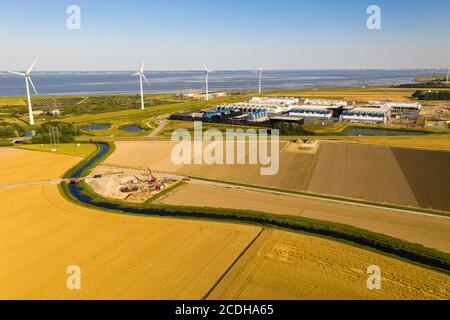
32 66
205 68
146 80
18 73
142 68
32 84
136 74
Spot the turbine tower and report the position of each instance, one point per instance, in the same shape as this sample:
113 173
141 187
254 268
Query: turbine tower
206 81
28 81
260 72
448 70
142 77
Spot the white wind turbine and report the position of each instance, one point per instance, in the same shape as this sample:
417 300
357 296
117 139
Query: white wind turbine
141 78
448 70
28 81
260 72
206 80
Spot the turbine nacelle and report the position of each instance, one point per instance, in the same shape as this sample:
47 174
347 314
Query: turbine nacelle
207 70
28 82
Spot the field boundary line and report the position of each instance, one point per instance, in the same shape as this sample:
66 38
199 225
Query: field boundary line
235 261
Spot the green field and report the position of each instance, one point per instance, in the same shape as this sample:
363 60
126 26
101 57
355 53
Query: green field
11 101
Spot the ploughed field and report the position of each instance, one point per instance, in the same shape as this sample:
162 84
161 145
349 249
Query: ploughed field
391 175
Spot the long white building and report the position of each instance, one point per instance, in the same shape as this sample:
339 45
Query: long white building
404 108
326 102
268 105
275 100
249 107
366 115
313 111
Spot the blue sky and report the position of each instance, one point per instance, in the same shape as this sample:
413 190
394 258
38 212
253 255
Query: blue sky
181 34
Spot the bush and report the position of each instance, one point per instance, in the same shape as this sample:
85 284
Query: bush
433 95
45 138
10 130
63 128
291 129
66 132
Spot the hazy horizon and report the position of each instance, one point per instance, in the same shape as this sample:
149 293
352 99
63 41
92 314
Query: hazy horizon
226 70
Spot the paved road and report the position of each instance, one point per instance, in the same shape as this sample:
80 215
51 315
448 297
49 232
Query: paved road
161 125
48 181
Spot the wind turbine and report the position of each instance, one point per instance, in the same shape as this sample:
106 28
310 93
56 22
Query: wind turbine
28 81
142 77
260 72
206 80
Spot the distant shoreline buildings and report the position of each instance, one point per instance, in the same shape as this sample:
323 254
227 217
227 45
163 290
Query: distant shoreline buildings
290 109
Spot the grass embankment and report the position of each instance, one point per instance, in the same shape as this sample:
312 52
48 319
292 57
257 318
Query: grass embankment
362 238
340 128
189 125
71 149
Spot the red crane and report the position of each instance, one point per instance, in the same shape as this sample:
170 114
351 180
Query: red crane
152 177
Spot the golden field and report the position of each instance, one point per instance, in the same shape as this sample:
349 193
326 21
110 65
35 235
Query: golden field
432 232
70 149
137 257
283 265
21 166
120 256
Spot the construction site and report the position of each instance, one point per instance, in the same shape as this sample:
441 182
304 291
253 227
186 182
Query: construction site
132 186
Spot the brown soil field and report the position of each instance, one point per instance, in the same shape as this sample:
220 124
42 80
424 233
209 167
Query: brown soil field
120 256
293 174
432 232
361 172
428 174
283 265
17 165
